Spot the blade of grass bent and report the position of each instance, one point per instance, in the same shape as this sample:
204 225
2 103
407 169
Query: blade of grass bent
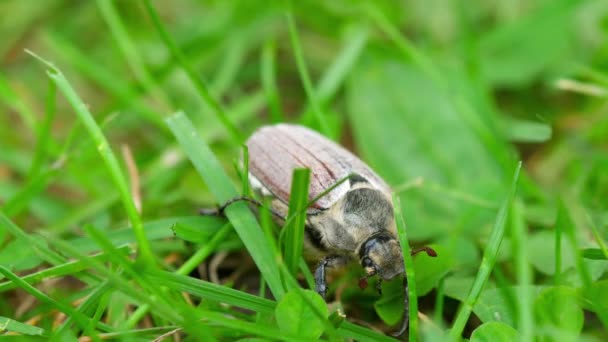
409 267
126 94
488 261
103 147
243 221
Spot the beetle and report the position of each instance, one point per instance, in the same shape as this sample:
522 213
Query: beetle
353 221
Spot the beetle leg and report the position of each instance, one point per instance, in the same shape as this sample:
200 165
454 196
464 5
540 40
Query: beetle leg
406 310
220 209
320 281
379 286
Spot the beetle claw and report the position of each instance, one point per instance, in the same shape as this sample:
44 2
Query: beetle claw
379 286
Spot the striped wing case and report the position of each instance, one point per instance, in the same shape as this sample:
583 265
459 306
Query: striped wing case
274 151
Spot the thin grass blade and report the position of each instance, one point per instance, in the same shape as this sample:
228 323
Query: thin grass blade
109 158
294 229
488 261
409 267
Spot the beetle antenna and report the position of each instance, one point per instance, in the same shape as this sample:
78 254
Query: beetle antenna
428 250
406 310
363 281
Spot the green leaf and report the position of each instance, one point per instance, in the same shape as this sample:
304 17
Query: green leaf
493 304
390 306
495 332
10 325
430 270
541 249
295 317
596 296
557 309
17 255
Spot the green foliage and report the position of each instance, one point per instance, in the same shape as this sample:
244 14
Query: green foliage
294 316
495 331
122 119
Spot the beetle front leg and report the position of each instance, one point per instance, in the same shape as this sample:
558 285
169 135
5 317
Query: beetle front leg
320 280
406 309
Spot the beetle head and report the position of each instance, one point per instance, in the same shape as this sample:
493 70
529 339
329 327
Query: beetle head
381 255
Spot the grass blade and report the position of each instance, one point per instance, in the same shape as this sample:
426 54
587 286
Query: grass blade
409 266
44 132
221 187
129 51
597 236
294 229
211 291
304 76
200 86
10 325
487 263
268 73
68 268
568 226
85 116
80 319
523 271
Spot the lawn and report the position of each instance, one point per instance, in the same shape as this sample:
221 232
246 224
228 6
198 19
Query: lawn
120 120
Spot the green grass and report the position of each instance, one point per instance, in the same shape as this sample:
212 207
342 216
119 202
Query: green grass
487 119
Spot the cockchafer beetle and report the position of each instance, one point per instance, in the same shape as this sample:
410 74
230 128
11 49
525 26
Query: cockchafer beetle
353 221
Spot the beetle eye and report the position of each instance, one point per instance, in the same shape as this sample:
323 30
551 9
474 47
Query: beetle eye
366 262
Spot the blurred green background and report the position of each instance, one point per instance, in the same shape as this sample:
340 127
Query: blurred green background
441 98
